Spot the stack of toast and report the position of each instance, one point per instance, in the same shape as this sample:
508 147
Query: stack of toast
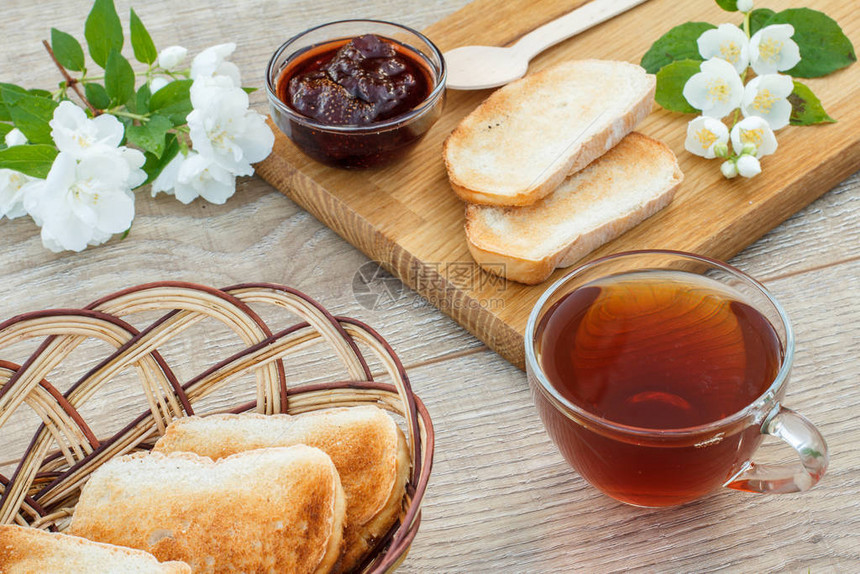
311 493
550 167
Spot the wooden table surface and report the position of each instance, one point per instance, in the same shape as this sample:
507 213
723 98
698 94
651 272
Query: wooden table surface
500 498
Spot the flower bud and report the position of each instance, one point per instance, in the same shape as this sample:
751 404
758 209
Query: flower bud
748 166
156 84
172 57
745 5
15 137
749 149
729 169
721 149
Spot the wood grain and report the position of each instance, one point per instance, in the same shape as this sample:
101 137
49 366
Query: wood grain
501 499
406 217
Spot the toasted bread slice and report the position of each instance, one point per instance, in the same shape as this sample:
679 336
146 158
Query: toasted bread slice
32 551
522 142
631 182
364 443
269 510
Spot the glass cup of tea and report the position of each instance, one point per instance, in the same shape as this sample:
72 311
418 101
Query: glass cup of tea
657 374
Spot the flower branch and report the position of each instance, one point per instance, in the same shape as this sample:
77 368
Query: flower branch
187 130
702 68
70 81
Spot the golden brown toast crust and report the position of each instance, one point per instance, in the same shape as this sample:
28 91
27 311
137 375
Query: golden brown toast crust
621 168
543 128
364 443
270 510
32 551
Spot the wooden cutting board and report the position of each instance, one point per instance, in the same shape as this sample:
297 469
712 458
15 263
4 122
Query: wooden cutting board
406 217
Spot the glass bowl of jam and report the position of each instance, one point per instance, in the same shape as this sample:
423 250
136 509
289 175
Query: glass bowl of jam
356 93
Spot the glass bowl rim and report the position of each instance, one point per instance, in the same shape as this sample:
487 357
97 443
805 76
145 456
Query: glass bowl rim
391 123
567 407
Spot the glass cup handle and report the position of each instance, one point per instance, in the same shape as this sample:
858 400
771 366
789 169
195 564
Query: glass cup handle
802 436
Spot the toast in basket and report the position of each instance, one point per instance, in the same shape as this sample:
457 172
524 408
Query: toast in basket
364 443
255 511
523 140
631 182
33 551
70 474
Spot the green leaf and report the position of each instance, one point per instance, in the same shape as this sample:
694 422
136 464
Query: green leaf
119 78
150 136
31 115
729 5
9 93
103 31
154 165
806 108
13 93
126 122
759 18
97 95
67 50
670 85
141 41
679 43
249 90
141 102
5 129
824 48
32 160
173 100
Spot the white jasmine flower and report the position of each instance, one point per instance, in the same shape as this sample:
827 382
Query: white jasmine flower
224 129
166 180
212 62
772 49
745 6
753 130
767 97
156 84
13 184
703 134
15 137
716 90
748 166
727 42
200 176
729 169
84 202
171 57
193 176
79 136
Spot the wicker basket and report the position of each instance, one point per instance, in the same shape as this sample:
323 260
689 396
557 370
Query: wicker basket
46 482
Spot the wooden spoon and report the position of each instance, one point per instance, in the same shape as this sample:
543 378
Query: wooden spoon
479 67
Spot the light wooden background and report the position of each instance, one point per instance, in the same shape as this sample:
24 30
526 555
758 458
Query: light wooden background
500 498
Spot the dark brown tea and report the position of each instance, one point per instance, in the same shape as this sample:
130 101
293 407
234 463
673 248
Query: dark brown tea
655 350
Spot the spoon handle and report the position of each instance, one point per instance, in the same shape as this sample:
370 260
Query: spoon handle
570 24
